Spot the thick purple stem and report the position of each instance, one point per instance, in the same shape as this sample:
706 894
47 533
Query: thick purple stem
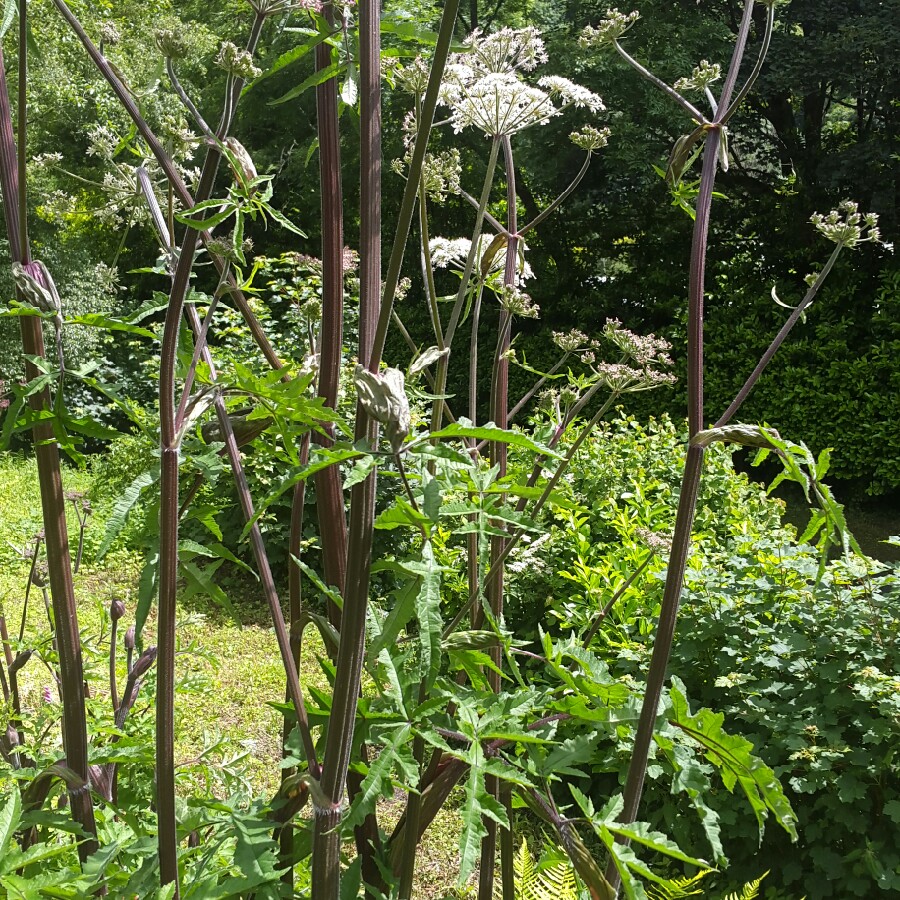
53 505
690 484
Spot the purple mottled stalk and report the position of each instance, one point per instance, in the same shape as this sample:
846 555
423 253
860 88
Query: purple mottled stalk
53 503
690 483
169 511
329 493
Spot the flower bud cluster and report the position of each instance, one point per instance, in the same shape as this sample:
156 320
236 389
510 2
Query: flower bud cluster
658 543
517 303
440 171
643 349
570 341
403 287
278 7
847 226
701 78
171 42
609 30
589 138
237 62
625 379
413 77
110 34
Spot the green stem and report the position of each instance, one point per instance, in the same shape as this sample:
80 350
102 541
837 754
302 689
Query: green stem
666 89
499 414
408 200
779 339
560 199
511 542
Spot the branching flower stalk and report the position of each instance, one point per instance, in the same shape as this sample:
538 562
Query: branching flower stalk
609 33
178 187
169 509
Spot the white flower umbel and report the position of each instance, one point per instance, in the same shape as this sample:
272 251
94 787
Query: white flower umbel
507 50
485 88
500 104
570 94
453 252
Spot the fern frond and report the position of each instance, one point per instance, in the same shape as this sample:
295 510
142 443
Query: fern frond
750 890
555 881
676 888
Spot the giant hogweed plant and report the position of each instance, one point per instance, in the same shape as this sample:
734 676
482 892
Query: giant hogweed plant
459 699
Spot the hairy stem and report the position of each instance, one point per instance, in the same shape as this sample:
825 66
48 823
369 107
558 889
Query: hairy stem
326 871
560 199
500 415
169 509
666 89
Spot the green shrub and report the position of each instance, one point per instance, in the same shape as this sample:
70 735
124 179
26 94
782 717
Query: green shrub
623 486
806 670
810 675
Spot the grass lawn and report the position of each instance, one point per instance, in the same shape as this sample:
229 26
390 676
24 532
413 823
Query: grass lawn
229 671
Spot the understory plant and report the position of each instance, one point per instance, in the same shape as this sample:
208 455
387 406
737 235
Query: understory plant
432 685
